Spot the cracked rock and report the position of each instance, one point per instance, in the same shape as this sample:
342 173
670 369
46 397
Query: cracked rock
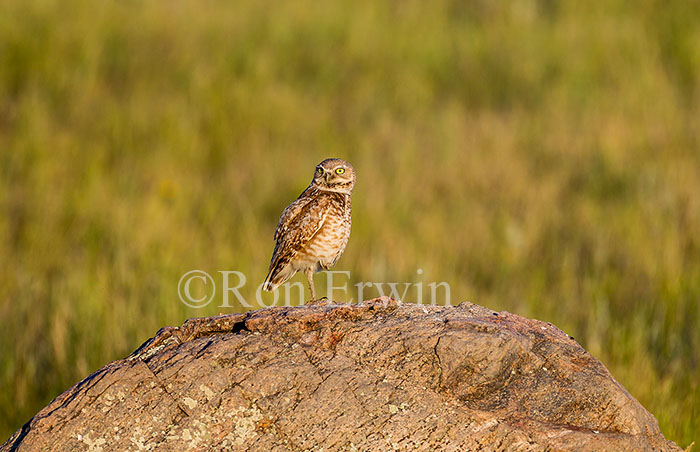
378 375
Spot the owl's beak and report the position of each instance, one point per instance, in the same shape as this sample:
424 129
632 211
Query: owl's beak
328 177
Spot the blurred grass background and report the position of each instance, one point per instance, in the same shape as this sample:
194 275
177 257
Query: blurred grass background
542 157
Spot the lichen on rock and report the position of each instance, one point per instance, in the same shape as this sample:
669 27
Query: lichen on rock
378 375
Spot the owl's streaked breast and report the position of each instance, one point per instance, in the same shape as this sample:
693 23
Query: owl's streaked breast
326 247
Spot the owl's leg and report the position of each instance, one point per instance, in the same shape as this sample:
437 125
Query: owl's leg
310 277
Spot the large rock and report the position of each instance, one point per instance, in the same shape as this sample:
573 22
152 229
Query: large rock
378 375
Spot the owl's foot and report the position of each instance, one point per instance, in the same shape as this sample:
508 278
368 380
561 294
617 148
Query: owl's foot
317 300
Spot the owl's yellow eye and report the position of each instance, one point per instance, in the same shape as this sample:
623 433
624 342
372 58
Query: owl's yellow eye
340 170
319 170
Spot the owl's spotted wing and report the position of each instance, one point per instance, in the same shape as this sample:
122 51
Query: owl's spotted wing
297 230
289 214
300 222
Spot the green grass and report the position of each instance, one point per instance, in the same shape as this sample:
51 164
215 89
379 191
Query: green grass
542 157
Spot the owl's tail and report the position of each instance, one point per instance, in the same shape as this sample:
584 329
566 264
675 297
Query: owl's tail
278 274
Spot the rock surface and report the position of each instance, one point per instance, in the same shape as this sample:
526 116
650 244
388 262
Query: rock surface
379 375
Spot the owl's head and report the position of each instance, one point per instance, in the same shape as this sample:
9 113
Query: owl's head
334 175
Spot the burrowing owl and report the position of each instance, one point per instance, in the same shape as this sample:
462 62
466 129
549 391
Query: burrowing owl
313 230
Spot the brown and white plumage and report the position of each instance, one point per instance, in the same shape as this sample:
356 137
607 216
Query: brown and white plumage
313 230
